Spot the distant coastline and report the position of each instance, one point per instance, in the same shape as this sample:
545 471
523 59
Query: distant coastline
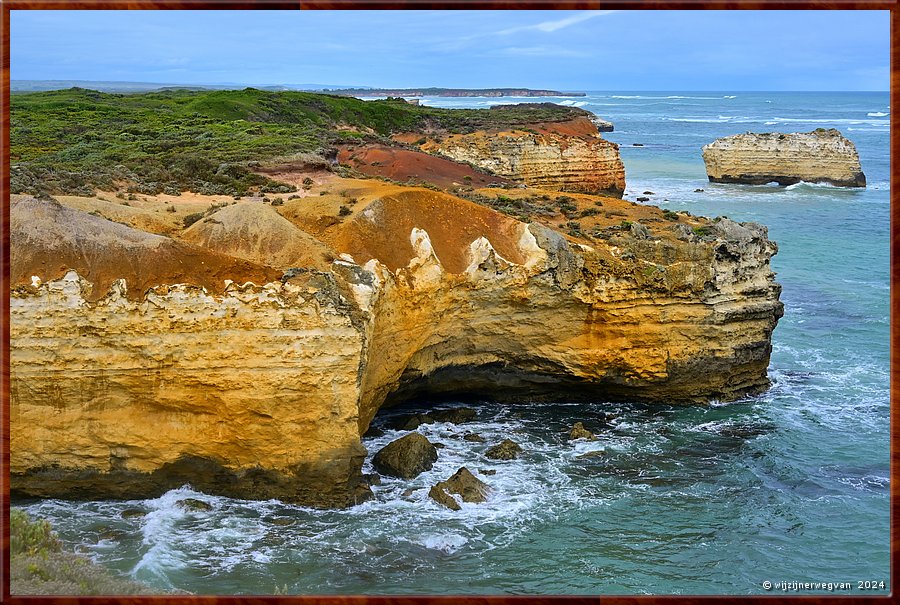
449 92
332 89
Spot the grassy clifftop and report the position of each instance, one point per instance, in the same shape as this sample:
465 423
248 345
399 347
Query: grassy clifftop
75 140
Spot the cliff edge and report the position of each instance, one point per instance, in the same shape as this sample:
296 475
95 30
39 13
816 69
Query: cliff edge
260 384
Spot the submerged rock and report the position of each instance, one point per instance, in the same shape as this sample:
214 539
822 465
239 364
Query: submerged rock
410 422
193 504
462 483
108 533
823 155
454 416
282 521
373 432
592 454
505 450
132 513
579 432
406 457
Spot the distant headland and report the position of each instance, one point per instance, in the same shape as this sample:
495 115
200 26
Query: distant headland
449 92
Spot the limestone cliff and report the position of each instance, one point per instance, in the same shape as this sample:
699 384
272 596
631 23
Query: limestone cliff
817 156
261 390
567 156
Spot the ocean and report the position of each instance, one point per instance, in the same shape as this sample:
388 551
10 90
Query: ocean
788 487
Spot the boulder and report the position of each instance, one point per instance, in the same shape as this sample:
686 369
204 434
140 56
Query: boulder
464 484
473 437
454 416
410 422
579 432
406 457
443 498
373 432
505 450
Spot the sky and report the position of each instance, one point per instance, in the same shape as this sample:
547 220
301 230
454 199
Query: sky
560 50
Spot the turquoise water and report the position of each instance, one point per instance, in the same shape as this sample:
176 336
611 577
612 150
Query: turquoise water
789 486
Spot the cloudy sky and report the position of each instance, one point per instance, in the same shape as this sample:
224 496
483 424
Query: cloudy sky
566 50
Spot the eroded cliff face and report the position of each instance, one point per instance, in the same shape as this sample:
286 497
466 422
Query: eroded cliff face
755 159
566 156
263 390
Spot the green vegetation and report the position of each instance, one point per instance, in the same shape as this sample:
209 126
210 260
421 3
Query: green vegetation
210 142
39 566
669 215
525 208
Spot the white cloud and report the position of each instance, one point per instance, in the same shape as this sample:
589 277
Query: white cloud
552 26
542 51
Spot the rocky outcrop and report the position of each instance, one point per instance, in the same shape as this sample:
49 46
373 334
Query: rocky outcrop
820 156
464 484
567 156
579 432
124 387
505 450
406 457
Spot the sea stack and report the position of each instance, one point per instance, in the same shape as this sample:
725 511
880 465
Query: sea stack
820 156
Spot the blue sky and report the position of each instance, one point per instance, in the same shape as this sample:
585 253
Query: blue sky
565 50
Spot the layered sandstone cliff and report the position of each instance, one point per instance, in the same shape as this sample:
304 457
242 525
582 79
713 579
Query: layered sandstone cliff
259 387
818 156
566 156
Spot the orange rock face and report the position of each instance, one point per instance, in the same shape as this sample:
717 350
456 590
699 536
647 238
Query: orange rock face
566 156
262 390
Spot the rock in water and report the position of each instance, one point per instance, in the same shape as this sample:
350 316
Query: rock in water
410 422
462 483
406 457
373 432
755 159
193 504
505 450
473 437
454 416
579 432
443 498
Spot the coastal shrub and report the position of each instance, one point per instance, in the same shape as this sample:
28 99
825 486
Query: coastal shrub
170 208
669 215
590 212
207 141
278 202
39 566
31 537
625 225
190 219
702 231
566 204
344 211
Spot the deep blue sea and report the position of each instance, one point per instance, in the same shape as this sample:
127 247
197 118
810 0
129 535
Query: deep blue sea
789 486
